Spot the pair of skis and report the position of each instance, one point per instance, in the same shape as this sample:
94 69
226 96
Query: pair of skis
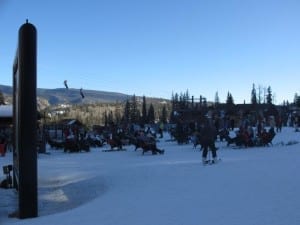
211 162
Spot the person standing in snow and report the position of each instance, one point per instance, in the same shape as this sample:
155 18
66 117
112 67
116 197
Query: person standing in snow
161 129
208 135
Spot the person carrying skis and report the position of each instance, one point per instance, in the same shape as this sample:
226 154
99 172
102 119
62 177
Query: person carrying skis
208 135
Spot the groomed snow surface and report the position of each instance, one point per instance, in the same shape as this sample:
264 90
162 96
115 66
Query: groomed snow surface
250 186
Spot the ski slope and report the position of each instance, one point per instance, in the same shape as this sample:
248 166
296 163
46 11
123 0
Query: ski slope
250 186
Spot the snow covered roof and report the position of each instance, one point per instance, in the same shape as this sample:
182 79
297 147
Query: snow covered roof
71 122
6 111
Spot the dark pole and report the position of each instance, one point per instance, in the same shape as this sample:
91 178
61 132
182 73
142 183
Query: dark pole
27 121
15 153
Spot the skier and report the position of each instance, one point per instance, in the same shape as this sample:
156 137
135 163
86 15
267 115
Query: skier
66 85
208 135
81 93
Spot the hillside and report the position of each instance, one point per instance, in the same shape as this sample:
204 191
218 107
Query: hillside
50 97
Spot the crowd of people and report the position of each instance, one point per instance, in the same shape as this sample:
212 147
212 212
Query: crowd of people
246 133
5 140
242 132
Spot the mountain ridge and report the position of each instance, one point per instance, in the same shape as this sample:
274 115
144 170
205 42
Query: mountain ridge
71 96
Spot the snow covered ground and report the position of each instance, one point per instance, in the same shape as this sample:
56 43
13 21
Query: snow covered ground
250 186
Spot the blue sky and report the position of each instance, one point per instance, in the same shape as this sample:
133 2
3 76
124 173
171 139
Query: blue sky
159 47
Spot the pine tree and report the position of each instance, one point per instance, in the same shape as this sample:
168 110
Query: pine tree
297 100
253 95
134 111
269 96
229 100
186 98
105 119
204 101
110 117
144 111
201 100
151 114
126 115
163 117
260 92
217 99
176 102
118 113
